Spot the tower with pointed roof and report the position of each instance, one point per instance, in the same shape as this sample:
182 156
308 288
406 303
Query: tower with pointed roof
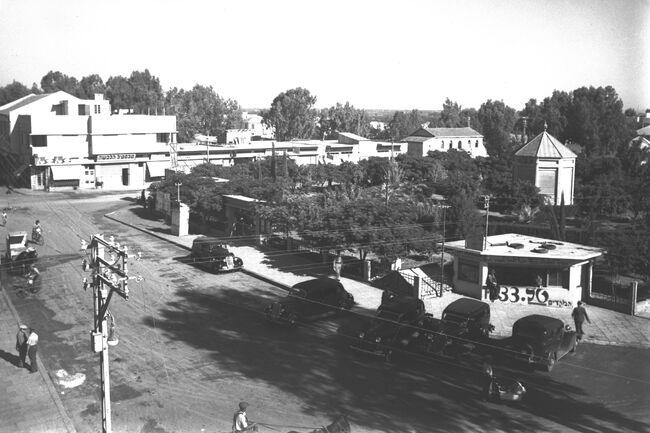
549 165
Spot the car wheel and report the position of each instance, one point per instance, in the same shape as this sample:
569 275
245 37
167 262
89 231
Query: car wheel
551 362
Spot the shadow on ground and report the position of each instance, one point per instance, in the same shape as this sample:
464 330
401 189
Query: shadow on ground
313 363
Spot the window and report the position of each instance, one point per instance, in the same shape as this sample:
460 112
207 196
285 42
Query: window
98 109
460 144
162 137
468 271
442 144
39 140
84 110
476 144
451 144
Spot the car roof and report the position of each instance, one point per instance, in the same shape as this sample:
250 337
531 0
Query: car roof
208 240
317 284
466 306
539 321
401 304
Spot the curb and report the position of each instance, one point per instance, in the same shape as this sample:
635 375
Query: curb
244 270
69 425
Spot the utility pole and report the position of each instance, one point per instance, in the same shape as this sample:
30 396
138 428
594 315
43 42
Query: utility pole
108 277
207 149
487 215
442 256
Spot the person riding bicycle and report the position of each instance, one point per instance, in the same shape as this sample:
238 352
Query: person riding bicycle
37 231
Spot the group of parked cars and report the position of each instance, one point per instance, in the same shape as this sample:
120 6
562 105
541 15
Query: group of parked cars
402 325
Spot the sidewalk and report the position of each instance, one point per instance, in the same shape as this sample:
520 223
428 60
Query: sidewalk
607 327
28 402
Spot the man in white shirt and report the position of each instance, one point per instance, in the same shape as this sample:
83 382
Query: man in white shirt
32 348
240 420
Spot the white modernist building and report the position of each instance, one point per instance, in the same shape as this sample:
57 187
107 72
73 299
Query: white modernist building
57 140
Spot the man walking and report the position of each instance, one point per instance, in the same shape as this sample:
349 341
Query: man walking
579 315
21 344
32 348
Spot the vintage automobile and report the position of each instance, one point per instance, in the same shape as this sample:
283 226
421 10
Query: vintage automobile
540 341
210 254
464 325
309 298
396 321
18 256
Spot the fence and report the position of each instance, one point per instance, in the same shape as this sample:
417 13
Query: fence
617 297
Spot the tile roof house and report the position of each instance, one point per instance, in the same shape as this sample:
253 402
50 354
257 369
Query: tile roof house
549 165
426 140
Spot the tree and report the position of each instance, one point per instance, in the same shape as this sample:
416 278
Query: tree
497 123
342 118
90 85
12 92
450 116
201 111
119 92
55 81
291 114
596 120
404 124
147 94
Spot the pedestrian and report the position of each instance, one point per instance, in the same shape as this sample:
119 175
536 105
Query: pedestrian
240 421
538 281
492 285
32 348
4 218
21 344
579 315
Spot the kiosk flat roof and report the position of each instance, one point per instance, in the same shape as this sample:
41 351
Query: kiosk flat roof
517 245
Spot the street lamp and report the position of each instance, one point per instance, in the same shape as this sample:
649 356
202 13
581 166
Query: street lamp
178 190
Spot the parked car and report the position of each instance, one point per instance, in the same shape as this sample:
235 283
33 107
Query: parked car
309 298
210 254
18 256
541 341
396 321
464 323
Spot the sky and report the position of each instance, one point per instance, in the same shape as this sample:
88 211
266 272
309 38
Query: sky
376 54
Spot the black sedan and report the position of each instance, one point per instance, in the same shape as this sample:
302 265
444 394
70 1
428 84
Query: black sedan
396 320
309 298
210 254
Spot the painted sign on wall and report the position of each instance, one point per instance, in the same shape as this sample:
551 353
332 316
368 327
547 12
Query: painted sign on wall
533 296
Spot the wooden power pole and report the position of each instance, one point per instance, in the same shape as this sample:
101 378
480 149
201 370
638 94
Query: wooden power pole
108 277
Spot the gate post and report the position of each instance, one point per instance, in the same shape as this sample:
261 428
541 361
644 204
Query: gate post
633 296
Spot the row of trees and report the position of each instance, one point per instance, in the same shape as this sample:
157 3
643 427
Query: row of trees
590 118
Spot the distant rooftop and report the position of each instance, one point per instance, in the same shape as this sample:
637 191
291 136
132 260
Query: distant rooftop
25 100
545 146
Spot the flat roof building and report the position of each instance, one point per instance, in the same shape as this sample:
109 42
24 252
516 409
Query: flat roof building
565 269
